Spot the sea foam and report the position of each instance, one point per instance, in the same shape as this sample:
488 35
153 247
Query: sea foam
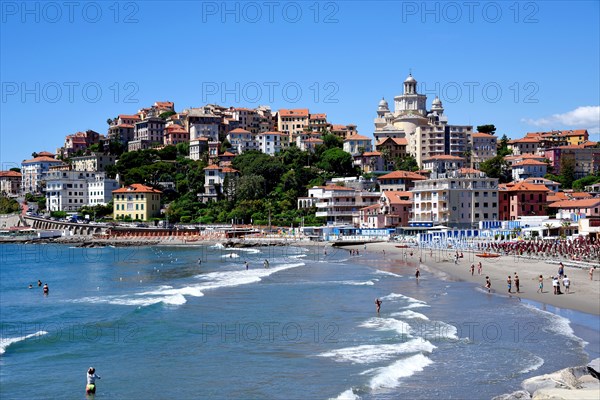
389 377
370 353
5 342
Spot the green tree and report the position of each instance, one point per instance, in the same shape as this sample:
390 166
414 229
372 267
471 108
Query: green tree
498 168
503 149
567 172
166 114
15 169
491 129
338 162
580 184
250 187
8 205
407 163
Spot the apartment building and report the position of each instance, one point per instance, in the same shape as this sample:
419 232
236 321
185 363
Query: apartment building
147 133
399 181
33 170
137 202
292 122
95 162
483 147
522 199
458 199
10 183
357 144
337 204
216 182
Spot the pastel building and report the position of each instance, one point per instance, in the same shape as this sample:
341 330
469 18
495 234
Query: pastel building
293 121
528 169
337 204
95 162
357 144
458 198
393 210
100 189
67 190
522 199
137 202
483 147
10 183
33 170
399 181
272 143
216 182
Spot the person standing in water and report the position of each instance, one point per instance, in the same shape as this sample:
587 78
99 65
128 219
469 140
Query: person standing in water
472 269
377 305
90 387
488 284
246 263
266 263
517 283
39 283
417 274
46 288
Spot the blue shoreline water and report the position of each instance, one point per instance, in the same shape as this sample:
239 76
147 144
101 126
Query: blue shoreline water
157 324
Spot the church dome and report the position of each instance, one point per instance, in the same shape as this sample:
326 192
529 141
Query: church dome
436 101
383 103
410 79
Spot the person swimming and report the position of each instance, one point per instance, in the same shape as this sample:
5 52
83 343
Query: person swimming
378 304
90 387
39 283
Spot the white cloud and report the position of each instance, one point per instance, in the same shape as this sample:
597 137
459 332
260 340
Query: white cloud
586 117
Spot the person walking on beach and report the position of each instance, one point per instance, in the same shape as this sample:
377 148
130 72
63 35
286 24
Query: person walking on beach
567 284
472 269
517 283
417 274
90 387
488 284
540 284
479 268
377 305
592 273
561 270
509 283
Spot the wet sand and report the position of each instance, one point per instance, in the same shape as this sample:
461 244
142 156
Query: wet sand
584 294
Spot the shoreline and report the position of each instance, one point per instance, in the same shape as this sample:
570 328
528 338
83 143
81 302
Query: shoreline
583 296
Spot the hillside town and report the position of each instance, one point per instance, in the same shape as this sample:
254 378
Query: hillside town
417 174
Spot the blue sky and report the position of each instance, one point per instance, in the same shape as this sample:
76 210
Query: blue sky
523 66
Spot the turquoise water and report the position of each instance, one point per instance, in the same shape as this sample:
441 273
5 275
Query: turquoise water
156 323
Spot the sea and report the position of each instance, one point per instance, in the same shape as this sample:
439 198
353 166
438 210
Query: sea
178 322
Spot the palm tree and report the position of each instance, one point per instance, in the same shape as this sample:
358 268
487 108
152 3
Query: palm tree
548 226
564 225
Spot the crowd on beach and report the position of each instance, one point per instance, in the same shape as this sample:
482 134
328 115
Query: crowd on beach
579 249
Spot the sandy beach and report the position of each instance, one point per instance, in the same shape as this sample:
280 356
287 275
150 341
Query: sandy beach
584 293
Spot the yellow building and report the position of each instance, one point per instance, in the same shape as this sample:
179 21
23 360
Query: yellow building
137 201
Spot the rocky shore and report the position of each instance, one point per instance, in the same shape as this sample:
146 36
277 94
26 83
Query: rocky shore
575 383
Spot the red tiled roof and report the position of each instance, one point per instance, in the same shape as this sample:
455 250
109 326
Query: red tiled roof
580 203
227 154
125 116
526 187
10 174
41 159
137 188
45 154
356 137
398 141
239 130
338 127
529 162
298 112
318 116
402 175
483 135
371 153
398 197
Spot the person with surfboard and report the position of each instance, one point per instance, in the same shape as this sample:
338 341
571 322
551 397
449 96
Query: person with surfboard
90 387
